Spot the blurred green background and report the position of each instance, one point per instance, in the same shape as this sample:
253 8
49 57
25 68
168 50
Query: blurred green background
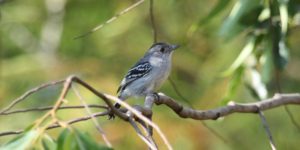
37 45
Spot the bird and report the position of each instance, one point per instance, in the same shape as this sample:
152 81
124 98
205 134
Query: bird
148 74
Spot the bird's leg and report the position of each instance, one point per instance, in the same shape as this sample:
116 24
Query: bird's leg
111 114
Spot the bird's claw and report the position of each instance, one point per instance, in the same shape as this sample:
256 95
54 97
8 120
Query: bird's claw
111 116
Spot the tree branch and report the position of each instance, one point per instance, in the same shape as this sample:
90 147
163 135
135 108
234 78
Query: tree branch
184 112
232 107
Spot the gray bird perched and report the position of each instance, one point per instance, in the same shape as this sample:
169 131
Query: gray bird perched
149 73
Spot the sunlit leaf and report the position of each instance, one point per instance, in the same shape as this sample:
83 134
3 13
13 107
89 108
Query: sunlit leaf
264 15
255 84
22 141
246 51
284 16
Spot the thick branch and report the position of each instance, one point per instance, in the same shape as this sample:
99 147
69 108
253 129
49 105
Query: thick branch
184 112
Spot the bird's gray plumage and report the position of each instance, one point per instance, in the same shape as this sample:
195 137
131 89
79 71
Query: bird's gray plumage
149 73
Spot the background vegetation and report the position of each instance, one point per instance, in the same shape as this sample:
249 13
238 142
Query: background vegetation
37 45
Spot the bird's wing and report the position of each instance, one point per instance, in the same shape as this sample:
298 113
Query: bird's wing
136 72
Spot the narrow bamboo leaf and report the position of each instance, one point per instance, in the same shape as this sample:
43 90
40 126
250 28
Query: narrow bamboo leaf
246 51
283 54
266 62
231 26
284 16
233 85
255 84
22 141
86 142
76 140
67 140
48 143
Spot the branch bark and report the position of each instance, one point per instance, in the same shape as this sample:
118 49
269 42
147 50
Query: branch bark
232 107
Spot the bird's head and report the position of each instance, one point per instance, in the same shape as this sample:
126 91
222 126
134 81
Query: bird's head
161 49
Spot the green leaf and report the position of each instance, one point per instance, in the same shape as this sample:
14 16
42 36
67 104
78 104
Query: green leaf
67 140
48 143
22 141
266 62
86 142
241 9
76 140
283 55
246 51
233 85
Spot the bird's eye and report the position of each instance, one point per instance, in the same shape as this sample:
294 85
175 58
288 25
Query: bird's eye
162 50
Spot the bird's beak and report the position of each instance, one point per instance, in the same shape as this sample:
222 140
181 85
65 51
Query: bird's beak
174 46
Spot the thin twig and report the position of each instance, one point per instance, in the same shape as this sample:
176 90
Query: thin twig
278 87
292 118
53 126
267 129
28 93
51 107
97 125
111 19
148 130
179 93
140 134
215 132
58 103
151 7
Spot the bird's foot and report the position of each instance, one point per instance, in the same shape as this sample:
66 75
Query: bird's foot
111 115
